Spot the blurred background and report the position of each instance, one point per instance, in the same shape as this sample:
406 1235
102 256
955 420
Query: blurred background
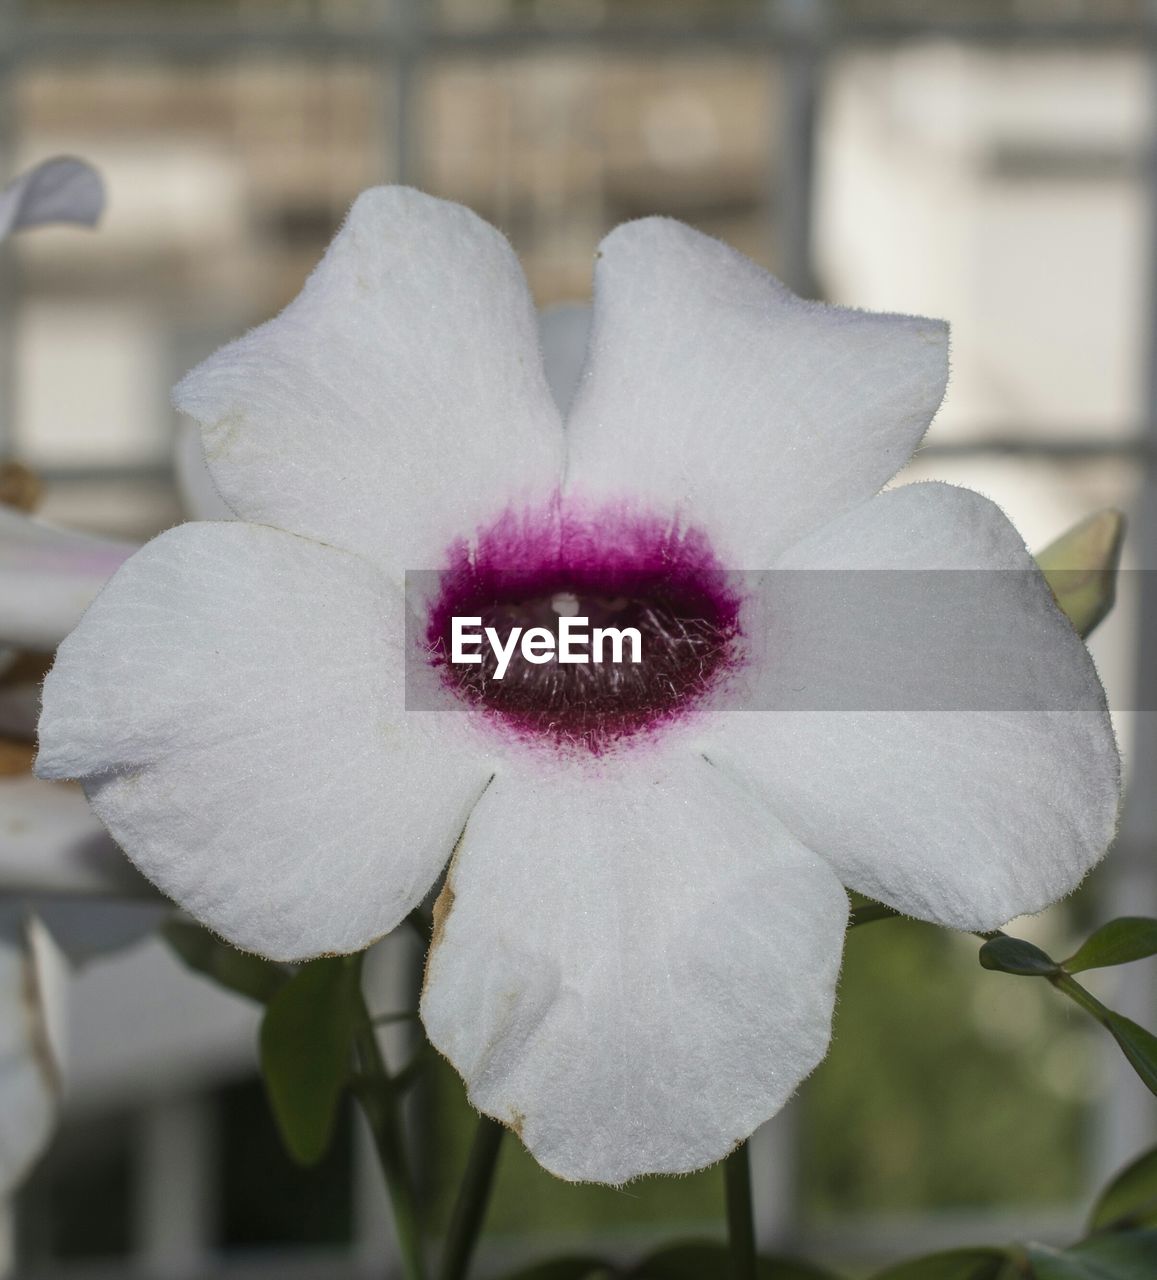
989 161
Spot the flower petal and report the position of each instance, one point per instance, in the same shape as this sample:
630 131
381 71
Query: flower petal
59 190
967 817
634 969
234 702
712 389
399 401
30 1009
48 576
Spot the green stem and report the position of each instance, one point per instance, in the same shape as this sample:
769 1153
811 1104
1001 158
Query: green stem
740 1218
869 913
1075 992
473 1197
380 1103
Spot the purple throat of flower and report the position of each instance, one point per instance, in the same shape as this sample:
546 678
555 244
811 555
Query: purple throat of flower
615 569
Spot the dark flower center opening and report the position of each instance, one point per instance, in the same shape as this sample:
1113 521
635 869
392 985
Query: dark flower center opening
655 586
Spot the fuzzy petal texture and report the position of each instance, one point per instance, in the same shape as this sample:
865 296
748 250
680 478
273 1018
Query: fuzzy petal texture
234 704
398 402
713 389
59 190
966 817
632 969
48 576
31 1005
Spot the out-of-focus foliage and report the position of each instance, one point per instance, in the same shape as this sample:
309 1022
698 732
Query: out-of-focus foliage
1081 568
944 1085
1130 1200
1119 942
306 1041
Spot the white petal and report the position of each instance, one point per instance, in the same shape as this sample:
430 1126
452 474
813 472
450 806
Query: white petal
636 968
53 843
564 332
48 576
30 1024
967 817
59 190
199 495
399 402
714 391
234 701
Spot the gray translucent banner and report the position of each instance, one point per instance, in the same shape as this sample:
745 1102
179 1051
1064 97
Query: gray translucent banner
789 640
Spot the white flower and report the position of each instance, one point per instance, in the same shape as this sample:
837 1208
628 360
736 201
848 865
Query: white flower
638 942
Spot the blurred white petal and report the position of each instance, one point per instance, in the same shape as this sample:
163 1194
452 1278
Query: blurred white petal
59 190
48 577
31 1028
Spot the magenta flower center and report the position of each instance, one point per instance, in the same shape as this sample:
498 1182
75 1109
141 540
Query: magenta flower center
636 576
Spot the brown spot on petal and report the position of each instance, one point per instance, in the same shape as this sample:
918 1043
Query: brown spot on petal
516 1123
444 903
219 438
442 908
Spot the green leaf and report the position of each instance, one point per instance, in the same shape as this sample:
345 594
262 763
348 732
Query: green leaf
1138 1045
1014 955
1118 942
247 975
1130 1255
1130 1200
959 1264
306 1038
697 1260
567 1269
1081 568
